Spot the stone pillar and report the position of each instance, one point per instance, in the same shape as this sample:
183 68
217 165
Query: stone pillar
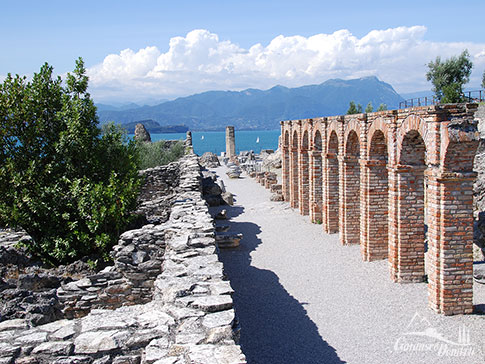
188 141
230 142
450 242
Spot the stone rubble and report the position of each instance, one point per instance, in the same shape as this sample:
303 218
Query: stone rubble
190 318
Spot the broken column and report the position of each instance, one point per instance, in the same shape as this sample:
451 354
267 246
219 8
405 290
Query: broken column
230 142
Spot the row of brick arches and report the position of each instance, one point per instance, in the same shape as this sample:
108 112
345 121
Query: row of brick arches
400 184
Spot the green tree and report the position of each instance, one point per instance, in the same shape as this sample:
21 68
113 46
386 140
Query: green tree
354 109
69 185
483 80
449 76
369 108
382 107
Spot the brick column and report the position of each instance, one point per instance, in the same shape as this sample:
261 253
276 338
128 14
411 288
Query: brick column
294 177
285 174
450 242
350 200
304 181
316 186
331 206
374 210
406 229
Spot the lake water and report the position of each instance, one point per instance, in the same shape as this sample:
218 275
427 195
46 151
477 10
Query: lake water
215 141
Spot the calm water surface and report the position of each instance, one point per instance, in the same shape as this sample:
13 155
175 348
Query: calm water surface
215 141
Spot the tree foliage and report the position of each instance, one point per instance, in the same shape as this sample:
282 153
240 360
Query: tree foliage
483 80
159 153
449 76
369 108
69 185
382 107
354 109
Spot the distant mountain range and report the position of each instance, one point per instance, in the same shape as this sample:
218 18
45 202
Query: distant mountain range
258 109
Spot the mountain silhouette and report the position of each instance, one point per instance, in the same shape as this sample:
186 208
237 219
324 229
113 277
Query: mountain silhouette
260 109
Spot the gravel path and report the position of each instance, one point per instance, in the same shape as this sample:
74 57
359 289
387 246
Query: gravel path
301 297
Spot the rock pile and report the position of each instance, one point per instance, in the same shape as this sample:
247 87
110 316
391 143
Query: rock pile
209 160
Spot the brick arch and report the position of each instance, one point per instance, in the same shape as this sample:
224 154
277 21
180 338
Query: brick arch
459 148
286 139
304 175
351 126
316 181
378 125
378 149
332 145
375 198
412 122
285 161
350 188
352 144
317 140
332 180
294 175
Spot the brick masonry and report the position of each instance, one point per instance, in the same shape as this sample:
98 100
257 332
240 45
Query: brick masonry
400 184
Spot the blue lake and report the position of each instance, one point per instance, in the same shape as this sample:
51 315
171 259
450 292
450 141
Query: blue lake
215 141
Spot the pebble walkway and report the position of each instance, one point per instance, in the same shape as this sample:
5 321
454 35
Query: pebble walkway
302 297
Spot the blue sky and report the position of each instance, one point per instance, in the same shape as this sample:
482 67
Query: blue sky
181 47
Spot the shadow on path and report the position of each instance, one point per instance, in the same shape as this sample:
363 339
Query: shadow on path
275 327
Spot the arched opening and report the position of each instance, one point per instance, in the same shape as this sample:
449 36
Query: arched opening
412 225
317 186
376 246
294 172
332 186
304 176
350 229
286 166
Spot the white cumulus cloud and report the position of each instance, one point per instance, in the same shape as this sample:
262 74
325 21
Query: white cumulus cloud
200 61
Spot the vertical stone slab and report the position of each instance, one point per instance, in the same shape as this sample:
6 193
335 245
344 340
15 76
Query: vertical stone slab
230 142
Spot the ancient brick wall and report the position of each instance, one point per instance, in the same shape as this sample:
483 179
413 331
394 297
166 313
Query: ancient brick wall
400 184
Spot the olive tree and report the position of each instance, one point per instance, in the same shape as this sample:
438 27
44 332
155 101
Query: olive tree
71 186
449 76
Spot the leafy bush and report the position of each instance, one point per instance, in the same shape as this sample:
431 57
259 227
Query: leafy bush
69 185
159 153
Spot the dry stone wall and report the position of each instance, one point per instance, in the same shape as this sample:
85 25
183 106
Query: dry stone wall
190 318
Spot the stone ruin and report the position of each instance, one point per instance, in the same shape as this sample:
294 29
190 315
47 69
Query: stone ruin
165 299
400 184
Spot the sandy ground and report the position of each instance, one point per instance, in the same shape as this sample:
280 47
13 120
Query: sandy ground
301 297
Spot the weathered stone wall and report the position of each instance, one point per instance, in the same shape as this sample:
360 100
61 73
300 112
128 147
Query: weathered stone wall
396 182
189 320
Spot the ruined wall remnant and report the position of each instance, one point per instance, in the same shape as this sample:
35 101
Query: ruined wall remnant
395 182
189 319
230 142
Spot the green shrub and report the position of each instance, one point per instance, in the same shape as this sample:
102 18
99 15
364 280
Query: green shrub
159 153
69 185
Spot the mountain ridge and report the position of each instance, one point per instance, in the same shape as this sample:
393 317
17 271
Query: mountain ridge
260 109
